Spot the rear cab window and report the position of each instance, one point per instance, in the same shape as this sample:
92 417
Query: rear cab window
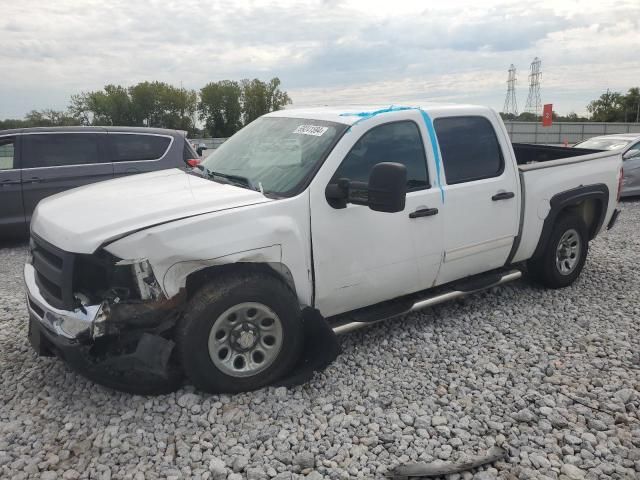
59 149
131 147
7 153
469 147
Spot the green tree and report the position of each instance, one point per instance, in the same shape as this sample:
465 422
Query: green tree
260 97
50 118
607 108
220 108
631 105
111 106
527 117
41 118
152 104
177 108
145 100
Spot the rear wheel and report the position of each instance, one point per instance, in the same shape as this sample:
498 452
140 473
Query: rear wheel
563 259
240 332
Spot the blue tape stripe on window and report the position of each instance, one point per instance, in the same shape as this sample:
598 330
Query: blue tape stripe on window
427 123
434 145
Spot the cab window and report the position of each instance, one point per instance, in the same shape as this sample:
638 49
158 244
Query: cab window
469 147
392 142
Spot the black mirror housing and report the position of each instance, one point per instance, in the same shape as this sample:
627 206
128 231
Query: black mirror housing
387 187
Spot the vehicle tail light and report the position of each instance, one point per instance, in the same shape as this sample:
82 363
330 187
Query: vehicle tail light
620 180
193 162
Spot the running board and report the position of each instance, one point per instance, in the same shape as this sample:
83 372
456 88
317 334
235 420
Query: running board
458 290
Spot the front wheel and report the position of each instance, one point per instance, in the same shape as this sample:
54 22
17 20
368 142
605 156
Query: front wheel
240 332
563 259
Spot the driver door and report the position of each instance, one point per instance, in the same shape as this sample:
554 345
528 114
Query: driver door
362 257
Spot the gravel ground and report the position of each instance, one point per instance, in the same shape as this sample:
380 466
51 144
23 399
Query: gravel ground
515 367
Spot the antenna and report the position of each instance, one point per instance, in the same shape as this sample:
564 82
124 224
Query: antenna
510 103
534 104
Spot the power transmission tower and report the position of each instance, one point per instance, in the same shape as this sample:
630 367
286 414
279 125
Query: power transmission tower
534 104
510 103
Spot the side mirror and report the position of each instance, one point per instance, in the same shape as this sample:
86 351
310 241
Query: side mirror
388 187
631 154
385 192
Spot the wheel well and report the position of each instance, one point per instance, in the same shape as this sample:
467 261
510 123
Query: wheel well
590 210
278 271
590 202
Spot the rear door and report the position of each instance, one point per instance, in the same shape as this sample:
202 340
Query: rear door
11 209
481 196
139 153
55 162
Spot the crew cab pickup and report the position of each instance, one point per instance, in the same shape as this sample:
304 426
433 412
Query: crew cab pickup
359 214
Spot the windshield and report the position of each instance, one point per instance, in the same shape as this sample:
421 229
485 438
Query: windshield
274 154
603 143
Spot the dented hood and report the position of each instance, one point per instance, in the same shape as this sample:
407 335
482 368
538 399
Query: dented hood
82 219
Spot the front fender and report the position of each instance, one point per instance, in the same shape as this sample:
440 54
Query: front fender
274 233
175 276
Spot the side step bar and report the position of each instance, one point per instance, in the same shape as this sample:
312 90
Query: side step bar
441 297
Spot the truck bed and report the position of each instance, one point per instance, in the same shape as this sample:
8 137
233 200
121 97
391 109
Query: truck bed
558 169
527 153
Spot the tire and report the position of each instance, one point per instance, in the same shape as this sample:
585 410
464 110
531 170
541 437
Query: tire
235 312
565 254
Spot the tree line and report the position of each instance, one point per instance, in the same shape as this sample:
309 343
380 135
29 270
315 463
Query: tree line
223 107
609 107
226 106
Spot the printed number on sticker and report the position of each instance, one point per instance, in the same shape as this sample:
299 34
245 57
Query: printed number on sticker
311 130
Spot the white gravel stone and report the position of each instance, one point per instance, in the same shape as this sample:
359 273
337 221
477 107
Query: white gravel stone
573 472
443 384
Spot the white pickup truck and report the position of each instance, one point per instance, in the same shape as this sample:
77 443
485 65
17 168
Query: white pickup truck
360 214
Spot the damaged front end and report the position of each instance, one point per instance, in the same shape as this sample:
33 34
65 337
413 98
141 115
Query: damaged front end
106 317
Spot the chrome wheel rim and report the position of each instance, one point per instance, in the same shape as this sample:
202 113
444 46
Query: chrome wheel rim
568 252
245 339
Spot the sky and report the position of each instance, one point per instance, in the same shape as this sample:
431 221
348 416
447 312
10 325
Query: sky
324 51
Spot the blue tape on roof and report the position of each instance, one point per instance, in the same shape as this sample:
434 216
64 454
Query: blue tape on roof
427 123
367 115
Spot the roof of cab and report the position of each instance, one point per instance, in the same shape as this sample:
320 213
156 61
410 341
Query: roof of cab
148 130
349 114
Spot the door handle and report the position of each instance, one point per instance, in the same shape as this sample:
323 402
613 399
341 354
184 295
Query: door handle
503 196
9 182
33 180
424 212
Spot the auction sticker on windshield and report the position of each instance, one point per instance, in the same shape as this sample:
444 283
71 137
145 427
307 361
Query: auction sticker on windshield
314 130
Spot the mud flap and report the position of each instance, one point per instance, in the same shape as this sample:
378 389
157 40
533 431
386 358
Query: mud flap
320 349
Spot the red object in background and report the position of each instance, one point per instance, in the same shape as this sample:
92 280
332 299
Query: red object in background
194 162
547 115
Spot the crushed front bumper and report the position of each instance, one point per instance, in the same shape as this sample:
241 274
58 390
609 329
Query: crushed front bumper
137 362
70 325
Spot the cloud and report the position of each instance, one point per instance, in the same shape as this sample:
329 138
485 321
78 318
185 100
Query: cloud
323 51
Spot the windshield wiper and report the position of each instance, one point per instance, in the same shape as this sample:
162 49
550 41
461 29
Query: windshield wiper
238 180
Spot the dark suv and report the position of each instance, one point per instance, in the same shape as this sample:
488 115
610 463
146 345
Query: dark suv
38 162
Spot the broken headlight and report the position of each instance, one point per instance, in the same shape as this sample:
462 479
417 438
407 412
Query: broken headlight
148 286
